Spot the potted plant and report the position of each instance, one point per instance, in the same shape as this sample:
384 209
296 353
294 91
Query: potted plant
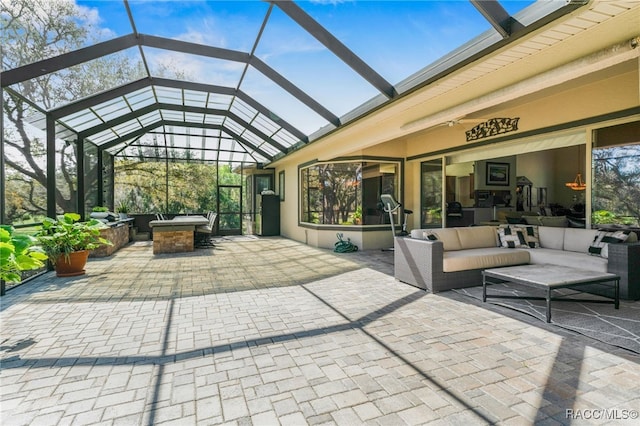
123 209
67 242
99 212
356 216
18 253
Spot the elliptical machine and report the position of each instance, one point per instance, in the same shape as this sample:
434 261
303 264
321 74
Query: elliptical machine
391 205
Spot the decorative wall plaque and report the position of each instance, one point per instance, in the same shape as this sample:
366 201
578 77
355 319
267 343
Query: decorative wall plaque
492 127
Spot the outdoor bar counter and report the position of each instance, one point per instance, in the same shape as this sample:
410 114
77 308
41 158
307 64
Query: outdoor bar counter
175 235
118 232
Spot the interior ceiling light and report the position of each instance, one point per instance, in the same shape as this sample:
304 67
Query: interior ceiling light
578 184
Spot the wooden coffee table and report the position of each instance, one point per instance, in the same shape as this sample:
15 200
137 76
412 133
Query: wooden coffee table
549 278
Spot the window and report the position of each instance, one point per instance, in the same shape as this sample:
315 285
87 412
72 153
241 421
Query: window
347 193
616 175
281 185
431 197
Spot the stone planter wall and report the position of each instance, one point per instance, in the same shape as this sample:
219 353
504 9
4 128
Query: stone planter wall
119 237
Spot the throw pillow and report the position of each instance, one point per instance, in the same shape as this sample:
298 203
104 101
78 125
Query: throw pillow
431 237
511 237
531 235
528 233
600 245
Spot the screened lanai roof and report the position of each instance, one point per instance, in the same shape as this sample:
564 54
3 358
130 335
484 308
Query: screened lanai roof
253 80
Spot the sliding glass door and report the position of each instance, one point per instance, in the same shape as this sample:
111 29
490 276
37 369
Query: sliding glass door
431 194
229 209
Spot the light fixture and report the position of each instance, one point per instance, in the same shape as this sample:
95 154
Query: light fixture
578 184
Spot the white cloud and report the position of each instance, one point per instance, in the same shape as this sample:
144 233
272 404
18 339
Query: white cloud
91 18
206 33
196 68
330 2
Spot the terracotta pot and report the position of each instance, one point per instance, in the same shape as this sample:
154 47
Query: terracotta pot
72 266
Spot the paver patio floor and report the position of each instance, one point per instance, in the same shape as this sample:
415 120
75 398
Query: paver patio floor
271 331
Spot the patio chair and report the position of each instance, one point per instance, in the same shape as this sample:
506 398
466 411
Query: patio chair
204 233
160 216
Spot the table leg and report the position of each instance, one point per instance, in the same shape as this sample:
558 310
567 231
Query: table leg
548 304
484 288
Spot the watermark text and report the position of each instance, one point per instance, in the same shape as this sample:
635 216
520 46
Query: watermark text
601 414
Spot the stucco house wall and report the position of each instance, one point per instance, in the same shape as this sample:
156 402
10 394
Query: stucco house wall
588 81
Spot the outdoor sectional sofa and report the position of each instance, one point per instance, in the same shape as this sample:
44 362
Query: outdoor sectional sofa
442 259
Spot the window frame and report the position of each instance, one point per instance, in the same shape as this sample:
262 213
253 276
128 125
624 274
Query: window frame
399 183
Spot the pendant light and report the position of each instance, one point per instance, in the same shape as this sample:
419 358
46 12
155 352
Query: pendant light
578 184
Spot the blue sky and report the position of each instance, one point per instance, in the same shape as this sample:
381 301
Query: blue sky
386 34
396 38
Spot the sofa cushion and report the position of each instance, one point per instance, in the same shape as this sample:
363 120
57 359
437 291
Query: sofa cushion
417 234
567 258
477 237
510 216
448 236
578 240
556 221
516 220
602 239
551 237
483 258
532 220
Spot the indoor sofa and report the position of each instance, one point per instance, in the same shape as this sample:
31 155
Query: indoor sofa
443 259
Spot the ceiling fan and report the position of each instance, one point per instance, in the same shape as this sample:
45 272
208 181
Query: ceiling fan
448 123
452 123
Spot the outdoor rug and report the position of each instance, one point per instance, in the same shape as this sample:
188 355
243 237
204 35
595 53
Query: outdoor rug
602 322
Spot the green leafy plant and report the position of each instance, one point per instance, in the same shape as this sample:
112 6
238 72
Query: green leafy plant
434 215
356 216
65 235
100 209
123 207
602 216
18 252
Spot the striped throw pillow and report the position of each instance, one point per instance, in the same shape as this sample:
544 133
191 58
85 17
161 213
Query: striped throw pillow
512 236
600 244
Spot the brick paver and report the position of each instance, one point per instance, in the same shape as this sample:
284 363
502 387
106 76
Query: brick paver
270 331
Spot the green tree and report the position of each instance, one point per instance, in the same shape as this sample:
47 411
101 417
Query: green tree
143 185
339 183
331 192
33 30
617 182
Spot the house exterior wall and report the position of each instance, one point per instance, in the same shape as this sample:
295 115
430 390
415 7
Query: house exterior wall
553 107
587 81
